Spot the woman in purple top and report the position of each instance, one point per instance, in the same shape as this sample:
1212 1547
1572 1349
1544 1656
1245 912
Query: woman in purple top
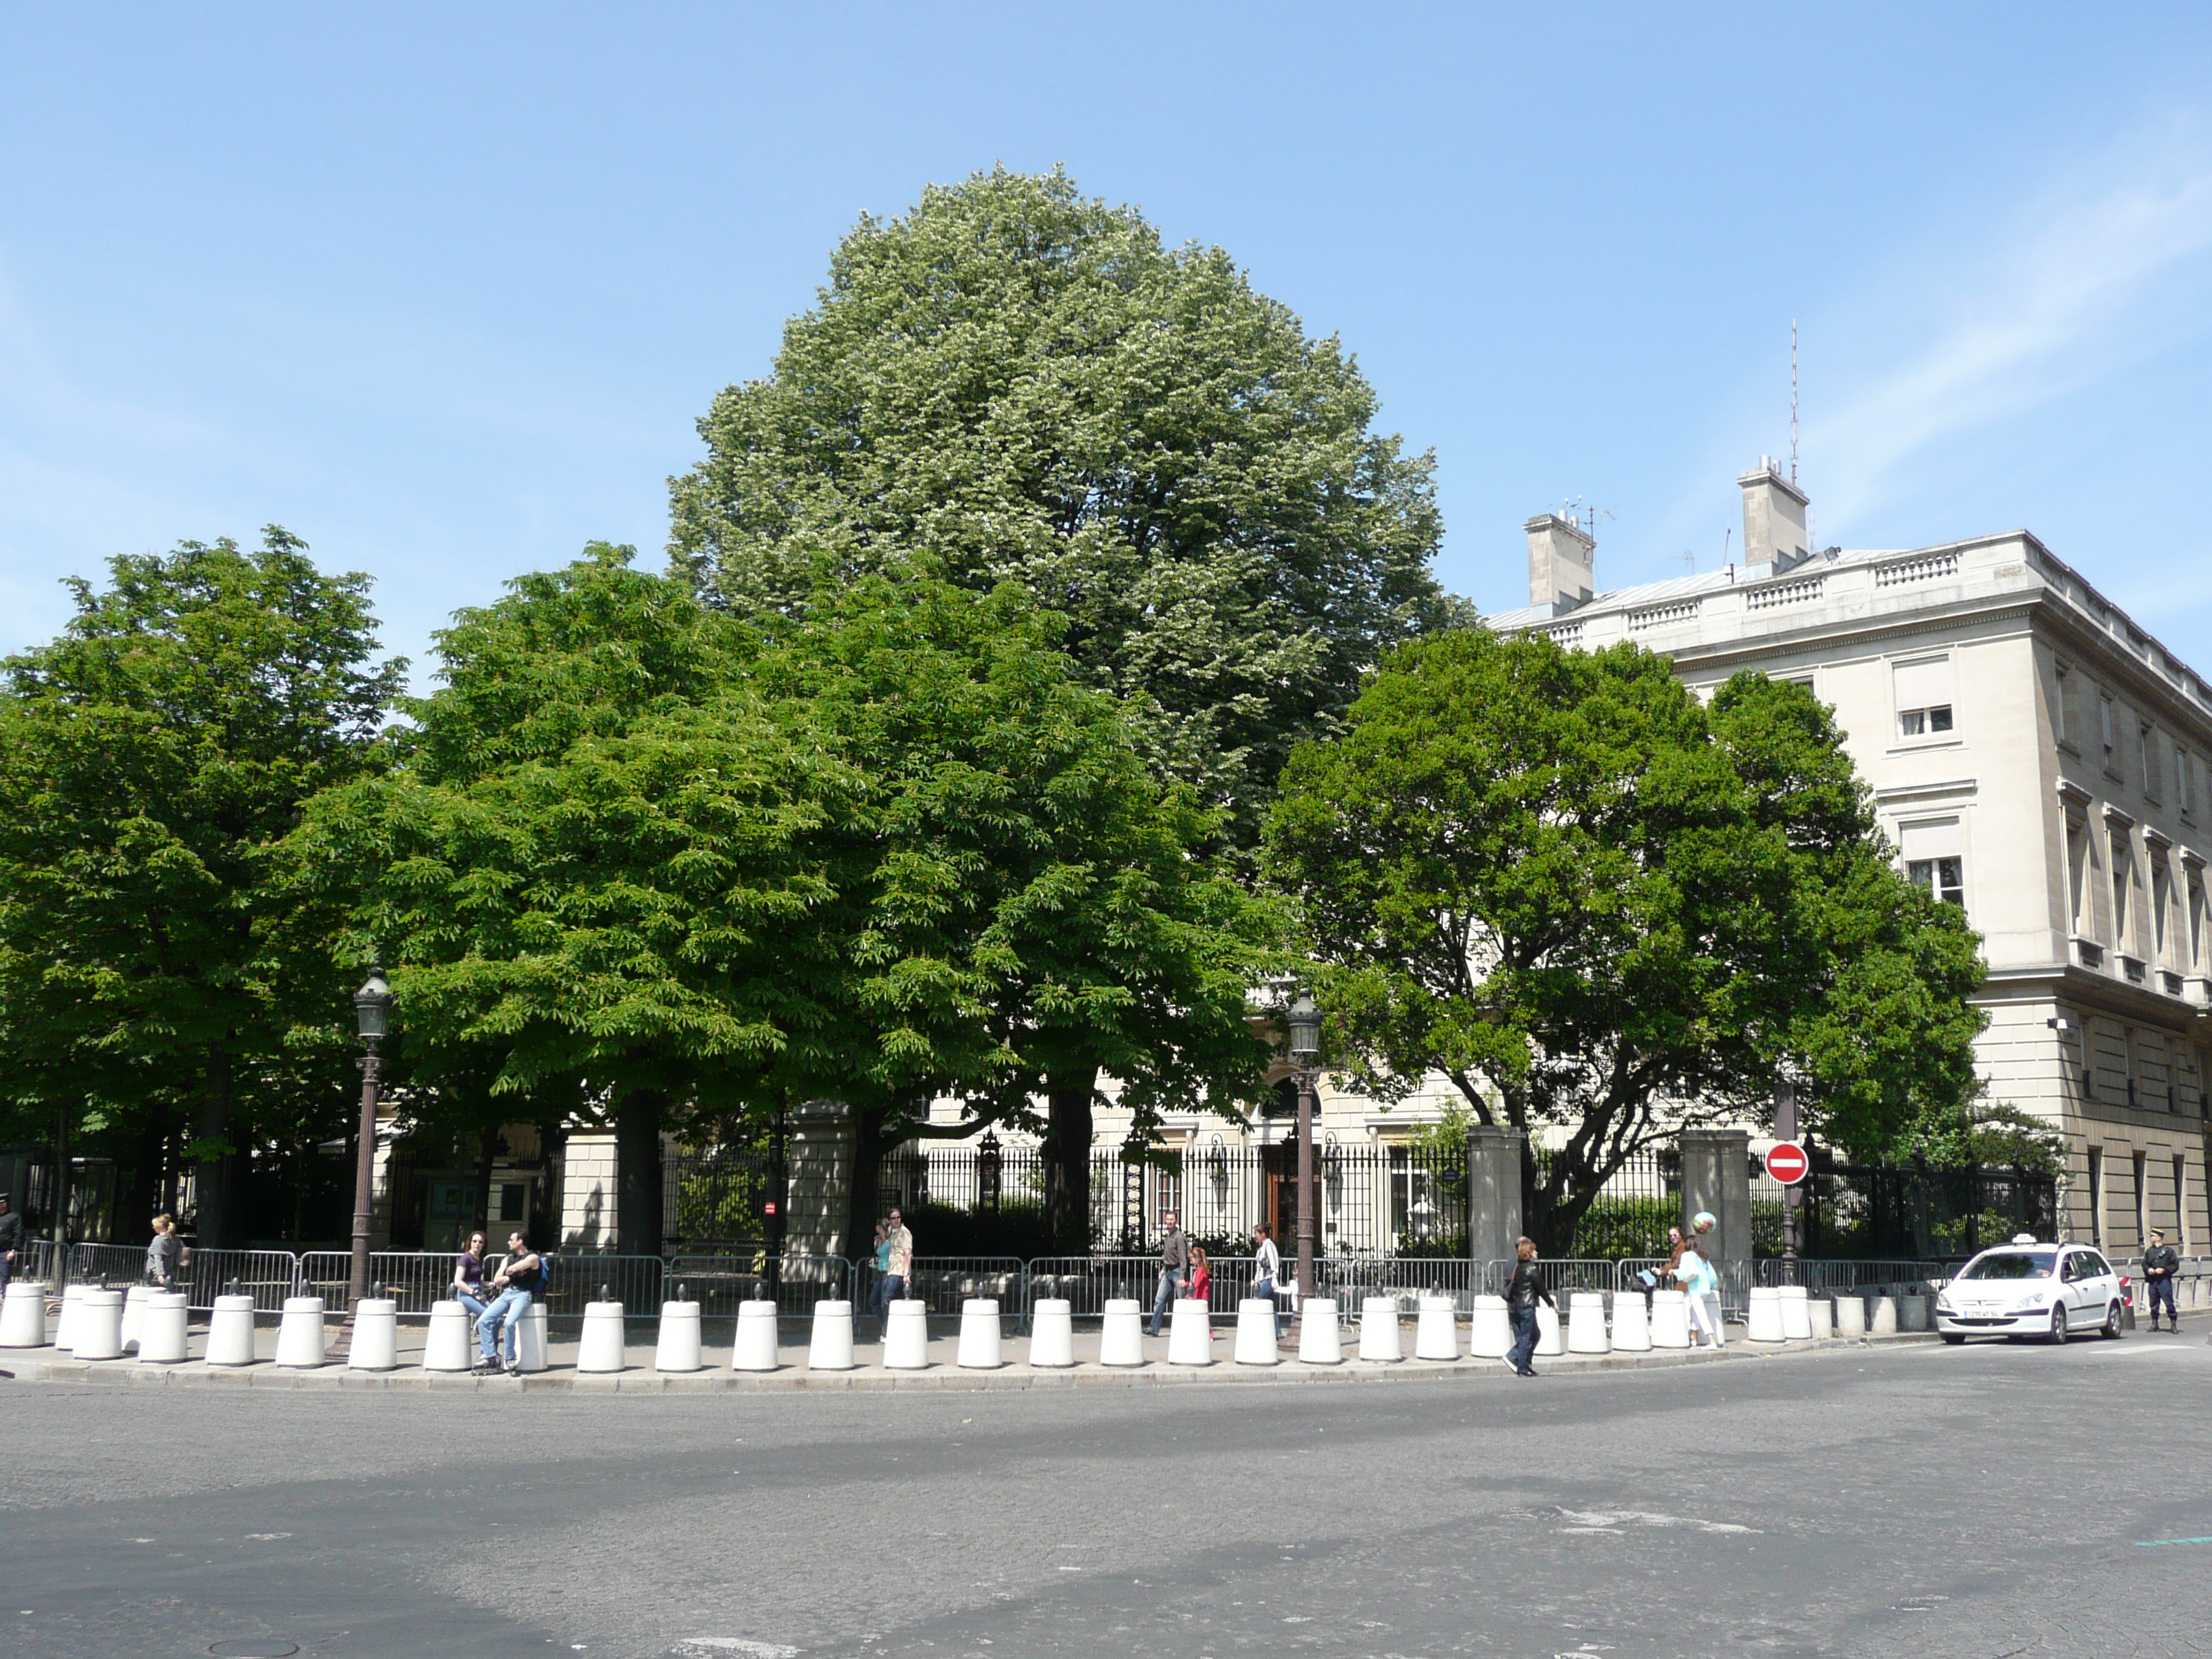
468 1278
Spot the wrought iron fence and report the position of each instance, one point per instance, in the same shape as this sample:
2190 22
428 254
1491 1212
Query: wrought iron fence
794 1283
1923 1213
717 1197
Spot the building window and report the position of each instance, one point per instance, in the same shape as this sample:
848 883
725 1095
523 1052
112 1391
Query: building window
2069 718
2097 1196
2181 1203
2196 920
1944 879
2162 897
1924 700
2077 878
2146 747
2123 866
2184 785
2108 729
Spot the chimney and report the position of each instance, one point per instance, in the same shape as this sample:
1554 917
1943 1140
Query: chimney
1773 516
1562 563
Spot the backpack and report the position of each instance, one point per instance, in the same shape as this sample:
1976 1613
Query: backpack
543 1290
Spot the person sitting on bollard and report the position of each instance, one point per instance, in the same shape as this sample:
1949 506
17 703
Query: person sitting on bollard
897 1281
1267 1269
521 1276
2158 1263
468 1276
1175 1266
162 1251
11 1241
1522 1292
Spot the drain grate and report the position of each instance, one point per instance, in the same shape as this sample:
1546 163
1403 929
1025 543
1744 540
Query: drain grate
255 1647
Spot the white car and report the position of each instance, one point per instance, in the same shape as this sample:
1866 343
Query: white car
2027 1289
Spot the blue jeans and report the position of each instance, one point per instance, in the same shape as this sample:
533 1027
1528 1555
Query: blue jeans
475 1304
1264 1287
506 1311
1524 1336
2162 1290
1170 1287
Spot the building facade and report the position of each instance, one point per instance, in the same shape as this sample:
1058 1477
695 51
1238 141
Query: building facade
2037 758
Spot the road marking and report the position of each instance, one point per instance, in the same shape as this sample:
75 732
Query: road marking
739 1645
2159 1543
1602 1519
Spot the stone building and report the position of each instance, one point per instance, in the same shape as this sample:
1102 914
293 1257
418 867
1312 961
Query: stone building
2035 757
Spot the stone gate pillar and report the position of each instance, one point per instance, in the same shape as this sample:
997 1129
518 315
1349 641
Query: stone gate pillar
1493 1192
818 1155
1716 1176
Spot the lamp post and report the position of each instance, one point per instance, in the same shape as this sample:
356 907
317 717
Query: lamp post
372 1012
1305 1021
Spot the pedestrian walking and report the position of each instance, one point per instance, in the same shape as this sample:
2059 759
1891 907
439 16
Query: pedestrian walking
898 1264
1522 1291
11 1240
468 1276
519 1278
1701 1284
163 1252
1267 1269
2158 1263
880 1255
1175 1266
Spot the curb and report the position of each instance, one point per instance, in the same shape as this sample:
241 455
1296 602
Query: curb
265 1375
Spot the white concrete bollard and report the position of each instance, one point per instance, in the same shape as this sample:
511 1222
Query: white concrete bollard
1255 1333
1320 1337
906 1336
1379 1338
1670 1319
1436 1330
1190 1333
1489 1328
531 1352
161 1329
1586 1323
1765 1323
134 1311
1881 1316
23 1316
1121 1342
376 1336
1821 1317
980 1348
601 1347
1796 1314
1632 1322
1052 1333
830 1343
99 1334
1547 1331
676 1345
1851 1314
299 1333
1912 1313
447 1347
65 1325
755 1349
230 1332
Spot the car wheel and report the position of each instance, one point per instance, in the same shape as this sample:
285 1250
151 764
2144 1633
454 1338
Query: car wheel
2111 1326
1954 1338
2057 1325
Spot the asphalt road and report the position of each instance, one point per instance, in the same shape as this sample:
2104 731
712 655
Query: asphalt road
1935 1502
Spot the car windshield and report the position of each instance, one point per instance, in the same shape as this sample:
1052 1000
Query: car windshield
2013 1264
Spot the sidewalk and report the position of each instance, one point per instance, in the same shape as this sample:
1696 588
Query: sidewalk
46 1366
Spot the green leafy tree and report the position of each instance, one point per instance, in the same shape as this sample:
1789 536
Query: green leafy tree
1592 904
151 759
1012 383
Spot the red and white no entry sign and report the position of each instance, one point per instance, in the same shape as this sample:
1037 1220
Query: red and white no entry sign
1787 1163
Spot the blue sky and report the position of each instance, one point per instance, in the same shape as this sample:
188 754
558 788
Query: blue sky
444 289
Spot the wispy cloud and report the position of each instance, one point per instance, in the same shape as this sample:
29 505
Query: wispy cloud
2062 296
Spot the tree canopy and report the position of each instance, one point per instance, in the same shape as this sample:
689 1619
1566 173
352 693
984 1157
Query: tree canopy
151 759
1012 383
1592 904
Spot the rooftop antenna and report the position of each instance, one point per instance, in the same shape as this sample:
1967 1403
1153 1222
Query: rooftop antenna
1575 512
1725 534
1689 558
1793 402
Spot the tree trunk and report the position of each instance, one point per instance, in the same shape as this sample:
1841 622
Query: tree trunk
214 1183
1068 1095
637 1189
486 1149
869 1146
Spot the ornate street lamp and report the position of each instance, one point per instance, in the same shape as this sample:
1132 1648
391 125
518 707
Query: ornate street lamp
1303 1018
372 1013
990 1163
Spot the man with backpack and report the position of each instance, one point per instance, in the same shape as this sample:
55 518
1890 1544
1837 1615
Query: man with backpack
520 1278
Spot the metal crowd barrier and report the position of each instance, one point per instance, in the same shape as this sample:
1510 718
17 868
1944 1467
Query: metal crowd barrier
267 1276
1821 1273
413 1278
719 1282
945 1282
638 1282
1352 1279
